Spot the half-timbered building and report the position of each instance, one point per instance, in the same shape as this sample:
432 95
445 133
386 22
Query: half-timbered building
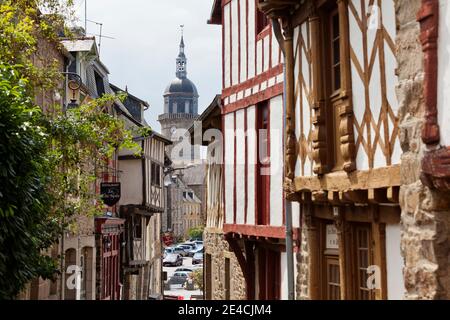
252 123
141 205
342 144
222 273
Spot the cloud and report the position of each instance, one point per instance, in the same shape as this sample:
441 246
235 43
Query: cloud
147 35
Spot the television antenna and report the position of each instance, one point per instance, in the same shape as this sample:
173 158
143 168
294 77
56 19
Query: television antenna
100 35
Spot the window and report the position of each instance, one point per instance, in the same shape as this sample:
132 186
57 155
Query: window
263 177
363 259
359 257
335 48
156 174
332 73
333 281
99 84
331 278
261 21
137 227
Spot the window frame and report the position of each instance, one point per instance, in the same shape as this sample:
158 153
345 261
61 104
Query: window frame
333 96
263 180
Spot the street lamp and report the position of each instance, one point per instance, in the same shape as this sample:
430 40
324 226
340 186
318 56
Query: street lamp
74 84
72 81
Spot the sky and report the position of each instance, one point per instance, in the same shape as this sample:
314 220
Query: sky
146 40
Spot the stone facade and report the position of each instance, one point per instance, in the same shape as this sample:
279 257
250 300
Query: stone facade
425 213
302 281
218 248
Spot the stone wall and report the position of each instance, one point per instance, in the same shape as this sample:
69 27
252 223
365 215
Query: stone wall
425 213
218 248
302 281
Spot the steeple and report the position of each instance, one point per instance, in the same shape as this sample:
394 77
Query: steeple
181 59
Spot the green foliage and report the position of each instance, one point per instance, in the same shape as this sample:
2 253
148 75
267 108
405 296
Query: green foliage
49 161
197 276
26 227
196 232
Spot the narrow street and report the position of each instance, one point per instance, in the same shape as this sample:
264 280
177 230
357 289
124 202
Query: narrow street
235 150
178 290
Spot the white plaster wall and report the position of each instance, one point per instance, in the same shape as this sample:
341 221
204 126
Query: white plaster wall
251 39
444 72
240 166
251 164
243 32
284 276
259 60
229 168
131 181
356 40
275 51
276 161
266 53
394 263
235 42
388 12
227 45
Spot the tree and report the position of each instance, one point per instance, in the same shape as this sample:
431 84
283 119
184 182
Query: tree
197 277
48 160
196 232
26 228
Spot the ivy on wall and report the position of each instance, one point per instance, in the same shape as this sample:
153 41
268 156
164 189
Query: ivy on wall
49 159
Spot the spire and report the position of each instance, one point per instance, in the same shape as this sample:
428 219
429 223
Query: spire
182 38
181 59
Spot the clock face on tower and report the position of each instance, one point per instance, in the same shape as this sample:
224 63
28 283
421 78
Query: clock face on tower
173 130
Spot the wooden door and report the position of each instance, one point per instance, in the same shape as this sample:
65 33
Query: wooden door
333 281
269 273
363 258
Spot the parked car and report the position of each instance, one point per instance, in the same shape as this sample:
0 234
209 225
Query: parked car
185 269
190 243
198 258
175 250
185 248
178 278
194 251
172 260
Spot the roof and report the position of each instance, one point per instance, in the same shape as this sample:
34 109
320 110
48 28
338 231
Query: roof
195 175
155 135
80 45
207 118
216 13
181 86
116 89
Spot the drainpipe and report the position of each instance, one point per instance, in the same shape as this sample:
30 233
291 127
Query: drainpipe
286 44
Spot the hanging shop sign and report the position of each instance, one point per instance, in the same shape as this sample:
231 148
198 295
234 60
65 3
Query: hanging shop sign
110 192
